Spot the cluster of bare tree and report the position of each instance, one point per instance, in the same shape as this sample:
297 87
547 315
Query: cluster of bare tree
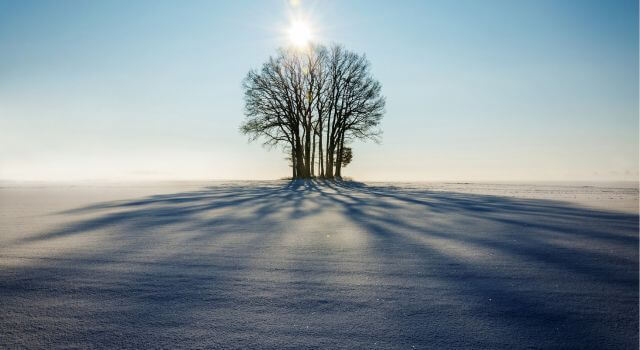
313 102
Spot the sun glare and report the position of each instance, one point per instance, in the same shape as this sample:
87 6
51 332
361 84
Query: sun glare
299 33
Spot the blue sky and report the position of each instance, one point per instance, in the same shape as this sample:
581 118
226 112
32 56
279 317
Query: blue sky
476 90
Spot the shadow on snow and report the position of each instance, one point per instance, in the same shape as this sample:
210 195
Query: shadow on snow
211 267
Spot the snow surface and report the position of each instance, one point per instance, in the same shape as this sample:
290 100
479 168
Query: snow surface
319 265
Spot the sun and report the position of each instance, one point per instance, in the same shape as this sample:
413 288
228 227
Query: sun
300 33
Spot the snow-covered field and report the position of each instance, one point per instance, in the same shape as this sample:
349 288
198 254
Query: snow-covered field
319 265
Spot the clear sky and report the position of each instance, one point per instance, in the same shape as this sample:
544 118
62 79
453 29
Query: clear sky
476 90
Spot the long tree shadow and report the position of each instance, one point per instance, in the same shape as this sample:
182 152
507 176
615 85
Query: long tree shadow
508 231
222 265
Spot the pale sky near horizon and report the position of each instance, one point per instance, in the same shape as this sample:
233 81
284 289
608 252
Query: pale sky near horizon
476 90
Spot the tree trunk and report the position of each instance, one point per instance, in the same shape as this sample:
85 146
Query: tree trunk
330 156
307 148
313 153
339 157
300 162
293 161
300 172
320 155
328 170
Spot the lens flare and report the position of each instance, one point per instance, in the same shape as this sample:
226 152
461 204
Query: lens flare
300 33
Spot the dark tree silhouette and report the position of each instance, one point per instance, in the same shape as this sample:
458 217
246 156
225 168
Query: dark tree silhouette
312 101
347 155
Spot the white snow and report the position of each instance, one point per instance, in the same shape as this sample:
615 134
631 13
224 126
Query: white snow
279 264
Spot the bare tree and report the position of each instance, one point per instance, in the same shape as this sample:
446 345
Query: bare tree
301 96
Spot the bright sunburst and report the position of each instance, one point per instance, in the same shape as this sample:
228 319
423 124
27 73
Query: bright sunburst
300 33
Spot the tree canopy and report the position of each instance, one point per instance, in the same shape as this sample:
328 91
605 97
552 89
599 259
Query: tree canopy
312 103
